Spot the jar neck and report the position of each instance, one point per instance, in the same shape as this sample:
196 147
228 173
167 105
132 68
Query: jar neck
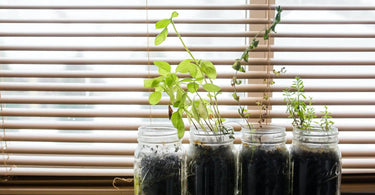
157 134
316 135
211 137
269 134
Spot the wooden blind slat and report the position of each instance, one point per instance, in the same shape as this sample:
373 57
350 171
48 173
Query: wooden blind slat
186 34
163 101
195 7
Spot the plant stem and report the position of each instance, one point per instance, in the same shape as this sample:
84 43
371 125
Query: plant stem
179 36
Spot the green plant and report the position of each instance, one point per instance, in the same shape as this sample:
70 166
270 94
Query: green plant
238 66
302 113
325 120
199 76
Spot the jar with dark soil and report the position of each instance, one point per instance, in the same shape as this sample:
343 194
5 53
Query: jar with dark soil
264 162
160 162
316 161
211 164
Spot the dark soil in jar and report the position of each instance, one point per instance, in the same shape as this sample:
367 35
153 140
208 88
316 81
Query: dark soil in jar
315 172
161 175
211 170
263 171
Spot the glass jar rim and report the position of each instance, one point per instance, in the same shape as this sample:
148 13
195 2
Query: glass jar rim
211 137
157 133
316 131
316 135
265 134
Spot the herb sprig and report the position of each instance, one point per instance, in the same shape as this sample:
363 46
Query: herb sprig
202 112
302 113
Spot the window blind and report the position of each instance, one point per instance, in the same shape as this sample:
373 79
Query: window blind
71 76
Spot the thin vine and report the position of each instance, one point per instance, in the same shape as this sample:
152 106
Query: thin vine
239 66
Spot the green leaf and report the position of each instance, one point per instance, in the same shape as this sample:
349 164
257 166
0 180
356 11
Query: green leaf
174 14
187 67
199 76
178 123
162 23
192 87
209 69
266 34
164 67
186 80
255 43
152 83
194 110
245 56
147 83
242 69
237 65
202 110
161 37
182 101
211 87
235 96
171 79
154 98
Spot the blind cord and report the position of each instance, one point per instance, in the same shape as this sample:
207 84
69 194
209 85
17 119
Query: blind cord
4 146
148 54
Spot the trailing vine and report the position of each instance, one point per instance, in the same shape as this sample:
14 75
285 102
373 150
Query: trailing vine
239 66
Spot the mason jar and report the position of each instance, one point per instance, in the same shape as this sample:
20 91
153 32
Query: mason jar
159 162
211 164
316 162
263 161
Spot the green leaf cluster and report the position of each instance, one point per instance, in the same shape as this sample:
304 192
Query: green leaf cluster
302 113
184 87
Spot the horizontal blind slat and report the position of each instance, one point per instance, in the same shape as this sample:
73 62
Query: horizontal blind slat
186 34
183 21
252 62
196 7
136 88
220 75
164 101
127 126
156 114
260 48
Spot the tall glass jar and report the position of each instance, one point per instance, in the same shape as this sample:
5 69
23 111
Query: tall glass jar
316 162
264 162
160 162
211 164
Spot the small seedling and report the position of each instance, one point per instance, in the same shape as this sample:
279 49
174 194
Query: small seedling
302 113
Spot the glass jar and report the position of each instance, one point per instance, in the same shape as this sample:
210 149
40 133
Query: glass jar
264 162
211 164
316 162
159 162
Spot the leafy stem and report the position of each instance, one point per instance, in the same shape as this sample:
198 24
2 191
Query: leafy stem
239 66
200 75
